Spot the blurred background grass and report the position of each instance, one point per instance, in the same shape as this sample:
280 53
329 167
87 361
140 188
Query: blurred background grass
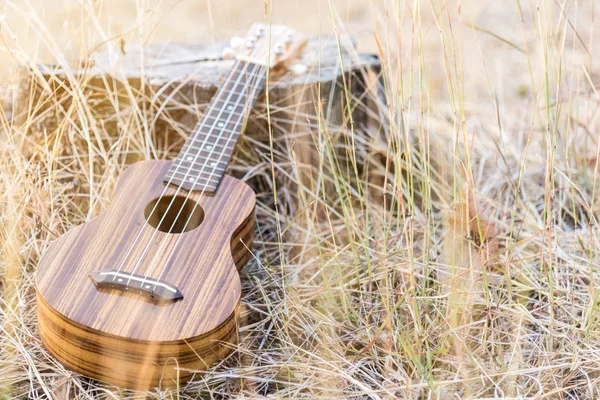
462 264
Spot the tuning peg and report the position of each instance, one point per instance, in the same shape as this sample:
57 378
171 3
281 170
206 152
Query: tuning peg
298 69
237 42
288 39
228 53
278 50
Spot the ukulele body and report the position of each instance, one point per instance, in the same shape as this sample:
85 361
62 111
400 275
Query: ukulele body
129 338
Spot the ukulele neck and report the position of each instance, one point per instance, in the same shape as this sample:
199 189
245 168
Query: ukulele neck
201 163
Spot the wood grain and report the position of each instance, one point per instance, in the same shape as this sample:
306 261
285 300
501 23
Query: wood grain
123 339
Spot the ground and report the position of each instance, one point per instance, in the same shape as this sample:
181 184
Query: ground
451 252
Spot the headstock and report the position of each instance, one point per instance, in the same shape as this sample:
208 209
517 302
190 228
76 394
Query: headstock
270 45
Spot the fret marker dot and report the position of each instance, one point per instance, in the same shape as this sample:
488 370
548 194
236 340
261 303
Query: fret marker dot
230 107
220 124
120 280
147 286
212 164
189 158
208 147
191 179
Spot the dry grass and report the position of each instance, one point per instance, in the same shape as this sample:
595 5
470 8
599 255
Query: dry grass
451 254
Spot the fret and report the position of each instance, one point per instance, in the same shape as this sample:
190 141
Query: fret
213 172
218 157
230 105
195 178
237 115
206 166
210 146
225 117
227 107
221 114
220 126
248 81
189 186
213 122
252 74
230 93
199 159
234 93
247 90
210 137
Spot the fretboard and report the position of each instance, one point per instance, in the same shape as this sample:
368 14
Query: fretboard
201 163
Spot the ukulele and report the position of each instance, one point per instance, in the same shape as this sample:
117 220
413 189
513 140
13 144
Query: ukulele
148 293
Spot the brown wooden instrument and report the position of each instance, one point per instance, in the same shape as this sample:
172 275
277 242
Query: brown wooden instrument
148 293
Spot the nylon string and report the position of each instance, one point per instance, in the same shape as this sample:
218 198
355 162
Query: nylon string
202 124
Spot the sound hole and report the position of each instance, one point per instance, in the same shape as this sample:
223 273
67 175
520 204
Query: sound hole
173 214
